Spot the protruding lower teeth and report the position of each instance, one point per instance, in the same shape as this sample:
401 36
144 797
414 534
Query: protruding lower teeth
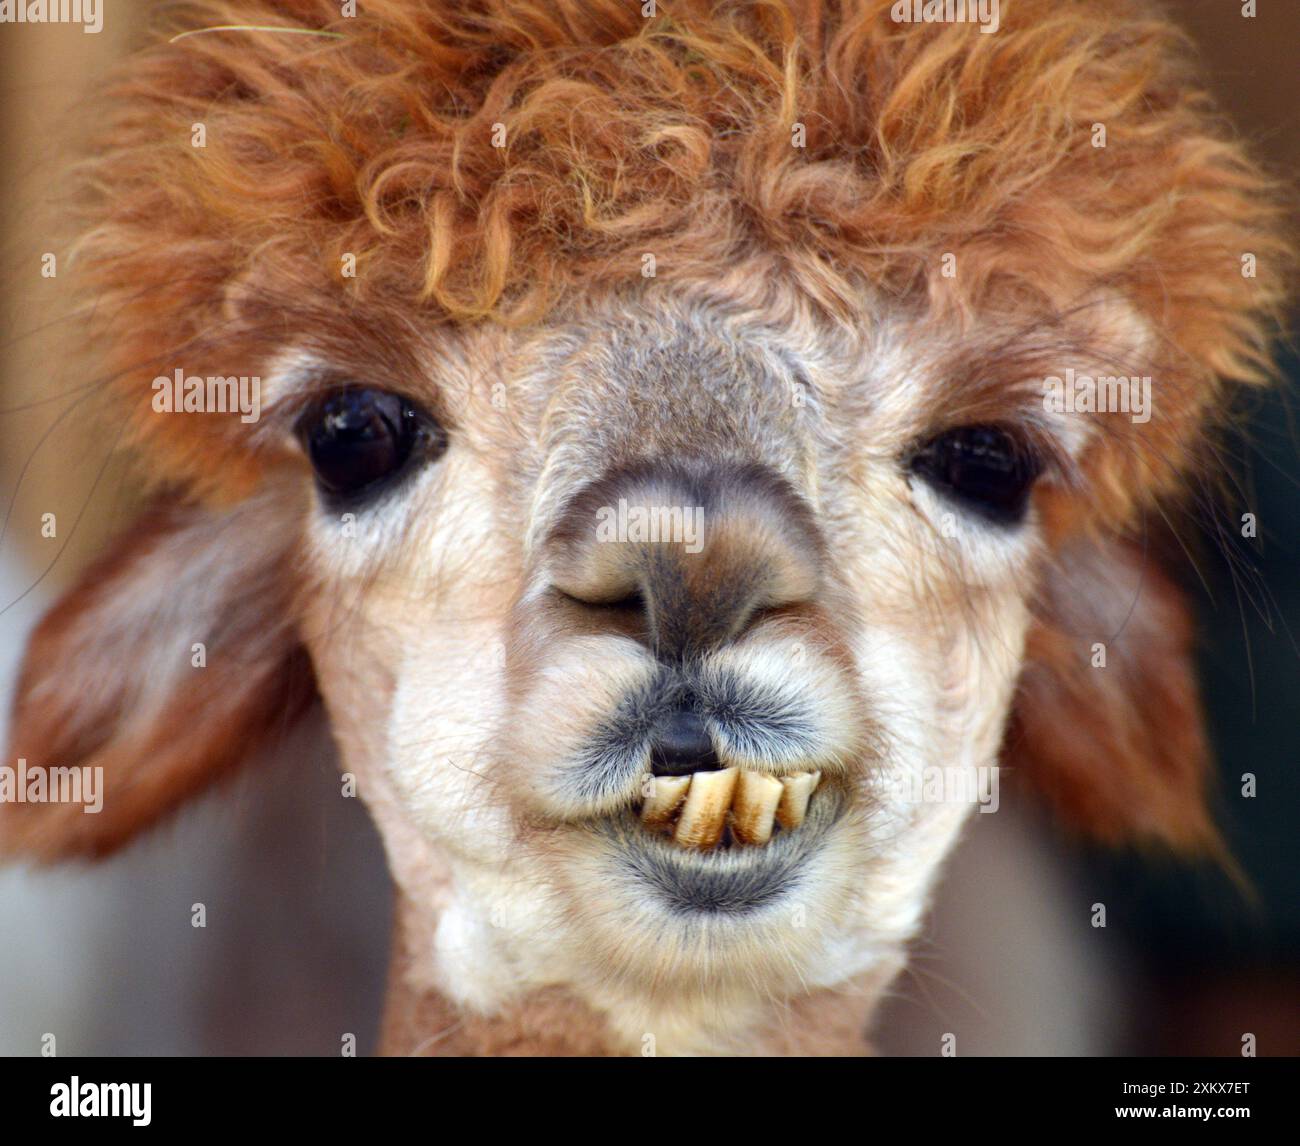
704 814
754 807
796 792
665 797
703 803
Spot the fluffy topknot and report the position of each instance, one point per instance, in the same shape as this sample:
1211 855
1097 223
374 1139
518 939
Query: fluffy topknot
491 159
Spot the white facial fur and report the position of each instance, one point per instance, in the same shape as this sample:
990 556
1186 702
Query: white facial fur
458 714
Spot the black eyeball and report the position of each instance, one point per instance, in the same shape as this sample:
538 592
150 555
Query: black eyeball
358 439
984 468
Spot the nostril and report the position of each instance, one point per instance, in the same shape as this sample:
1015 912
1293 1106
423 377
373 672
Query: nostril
682 745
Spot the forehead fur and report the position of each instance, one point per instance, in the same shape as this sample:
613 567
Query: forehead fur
494 160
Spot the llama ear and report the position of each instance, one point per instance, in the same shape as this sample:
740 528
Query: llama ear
170 661
1107 722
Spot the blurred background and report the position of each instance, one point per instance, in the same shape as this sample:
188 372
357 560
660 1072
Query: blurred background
294 952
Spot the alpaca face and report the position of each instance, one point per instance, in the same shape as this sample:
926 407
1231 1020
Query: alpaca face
645 566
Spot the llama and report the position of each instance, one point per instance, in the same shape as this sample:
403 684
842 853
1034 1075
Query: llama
657 473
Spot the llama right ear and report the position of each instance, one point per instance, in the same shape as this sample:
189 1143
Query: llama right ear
171 660
1107 718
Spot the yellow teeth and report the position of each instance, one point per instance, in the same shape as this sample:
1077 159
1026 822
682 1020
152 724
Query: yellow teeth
704 814
665 797
754 807
797 790
703 804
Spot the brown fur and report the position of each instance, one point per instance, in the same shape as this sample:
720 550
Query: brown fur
1118 748
160 728
626 136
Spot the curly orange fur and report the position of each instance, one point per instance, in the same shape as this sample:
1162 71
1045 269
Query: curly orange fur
622 134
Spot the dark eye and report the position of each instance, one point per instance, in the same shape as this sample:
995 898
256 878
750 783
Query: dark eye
983 467
358 439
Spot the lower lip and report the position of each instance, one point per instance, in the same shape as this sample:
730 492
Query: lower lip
722 881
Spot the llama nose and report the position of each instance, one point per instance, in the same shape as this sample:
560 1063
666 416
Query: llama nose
698 550
682 745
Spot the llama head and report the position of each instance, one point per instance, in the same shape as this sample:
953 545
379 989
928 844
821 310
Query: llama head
691 452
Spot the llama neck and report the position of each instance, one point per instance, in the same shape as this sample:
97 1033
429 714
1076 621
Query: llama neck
422 1021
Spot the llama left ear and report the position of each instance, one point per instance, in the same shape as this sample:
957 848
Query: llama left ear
174 658
1107 722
